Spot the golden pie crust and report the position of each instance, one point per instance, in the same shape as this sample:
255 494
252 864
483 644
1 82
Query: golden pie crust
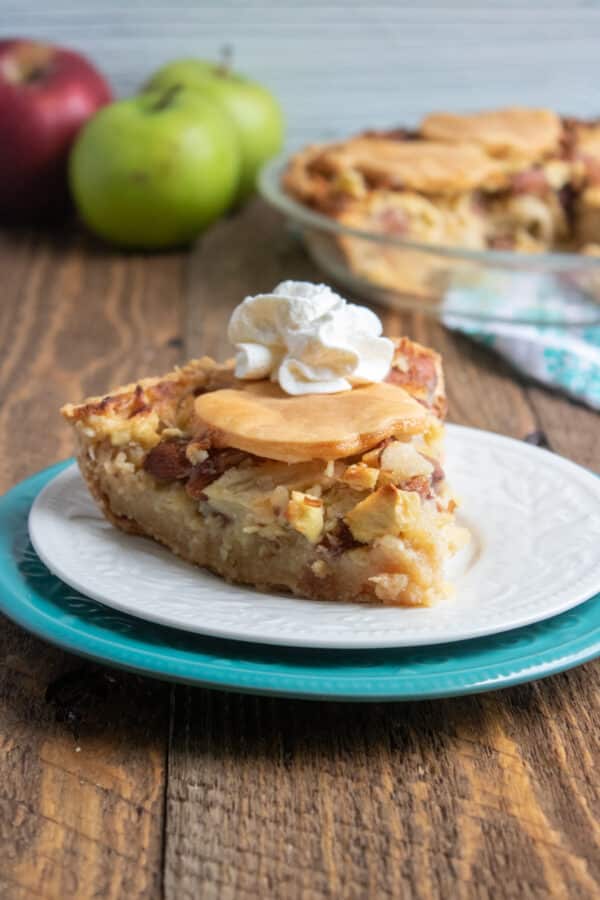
515 133
261 419
426 166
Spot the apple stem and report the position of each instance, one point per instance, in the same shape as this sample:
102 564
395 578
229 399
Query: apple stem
226 60
35 74
166 97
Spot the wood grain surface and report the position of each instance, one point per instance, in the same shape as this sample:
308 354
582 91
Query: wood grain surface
117 786
82 749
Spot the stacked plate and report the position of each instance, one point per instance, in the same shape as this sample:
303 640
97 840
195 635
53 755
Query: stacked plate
524 605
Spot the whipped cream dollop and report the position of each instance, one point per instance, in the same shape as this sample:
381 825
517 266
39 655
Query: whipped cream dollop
309 339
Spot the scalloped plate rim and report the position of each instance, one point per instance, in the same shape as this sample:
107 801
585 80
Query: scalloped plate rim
294 637
214 672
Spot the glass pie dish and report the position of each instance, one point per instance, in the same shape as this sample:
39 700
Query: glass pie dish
556 289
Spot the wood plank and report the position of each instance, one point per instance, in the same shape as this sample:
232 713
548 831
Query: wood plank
492 796
485 797
571 429
77 319
82 765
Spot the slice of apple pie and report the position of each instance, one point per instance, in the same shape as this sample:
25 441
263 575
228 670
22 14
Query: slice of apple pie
330 495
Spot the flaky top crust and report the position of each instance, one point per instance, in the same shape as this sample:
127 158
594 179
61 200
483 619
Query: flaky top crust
585 138
514 132
426 166
450 155
261 419
159 391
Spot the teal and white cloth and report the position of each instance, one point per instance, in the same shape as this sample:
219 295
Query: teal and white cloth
495 308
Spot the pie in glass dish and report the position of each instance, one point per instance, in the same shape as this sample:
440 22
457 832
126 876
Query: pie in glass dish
514 179
337 496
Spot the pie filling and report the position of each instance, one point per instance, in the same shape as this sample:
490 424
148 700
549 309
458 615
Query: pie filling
374 526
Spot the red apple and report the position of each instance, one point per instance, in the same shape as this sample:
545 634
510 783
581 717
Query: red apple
46 94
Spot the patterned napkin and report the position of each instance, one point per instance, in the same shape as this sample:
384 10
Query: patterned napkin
562 356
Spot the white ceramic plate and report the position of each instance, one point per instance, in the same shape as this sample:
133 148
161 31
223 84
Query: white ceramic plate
535 552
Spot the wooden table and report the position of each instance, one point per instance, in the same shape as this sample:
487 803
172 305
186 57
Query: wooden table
115 786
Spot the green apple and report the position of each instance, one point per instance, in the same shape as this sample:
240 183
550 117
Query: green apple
154 170
255 112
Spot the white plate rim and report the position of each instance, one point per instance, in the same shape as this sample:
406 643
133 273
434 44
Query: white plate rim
584 591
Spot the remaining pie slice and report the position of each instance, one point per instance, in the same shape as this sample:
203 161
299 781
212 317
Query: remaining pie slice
512 179
332 496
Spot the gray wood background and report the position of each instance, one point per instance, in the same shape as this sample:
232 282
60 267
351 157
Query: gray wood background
341 66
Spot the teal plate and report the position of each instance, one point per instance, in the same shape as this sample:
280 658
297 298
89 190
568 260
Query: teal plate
39 602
